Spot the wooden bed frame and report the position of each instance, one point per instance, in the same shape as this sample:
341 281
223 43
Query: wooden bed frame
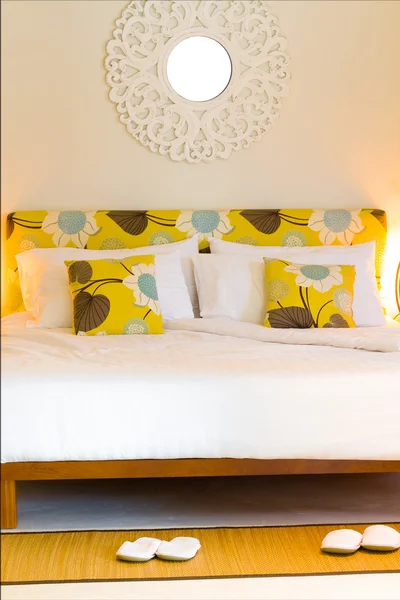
188 467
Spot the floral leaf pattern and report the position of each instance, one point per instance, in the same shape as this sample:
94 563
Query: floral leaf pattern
90 311
314 295
9 225
128 302
336 320
80 271
133 222
269 221
265 221
380 215
13 219
110 229
290 317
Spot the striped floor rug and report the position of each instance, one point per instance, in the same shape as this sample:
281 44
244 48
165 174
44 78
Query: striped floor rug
226 552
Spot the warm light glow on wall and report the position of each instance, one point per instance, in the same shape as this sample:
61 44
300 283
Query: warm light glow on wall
390 296
3 263
397 287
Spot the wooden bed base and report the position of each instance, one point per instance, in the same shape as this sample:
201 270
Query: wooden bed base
198 467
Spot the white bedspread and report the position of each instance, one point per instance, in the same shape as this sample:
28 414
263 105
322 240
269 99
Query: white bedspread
196 394
373 339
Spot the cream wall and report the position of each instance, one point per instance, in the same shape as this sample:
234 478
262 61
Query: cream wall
336 143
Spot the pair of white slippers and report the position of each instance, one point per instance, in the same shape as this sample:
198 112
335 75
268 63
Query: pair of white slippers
145 548
376 537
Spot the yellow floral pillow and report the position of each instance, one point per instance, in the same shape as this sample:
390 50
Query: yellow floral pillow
115 297
304 296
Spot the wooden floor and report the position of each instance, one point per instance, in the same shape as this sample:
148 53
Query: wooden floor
225 552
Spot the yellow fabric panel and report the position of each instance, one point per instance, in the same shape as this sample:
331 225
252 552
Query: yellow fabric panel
304 296
115 297
108 229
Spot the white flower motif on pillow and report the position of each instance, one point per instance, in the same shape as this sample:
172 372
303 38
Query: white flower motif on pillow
143 283
294 238
136 326
336 223
160 237
321 277
28 242
247 240
71 225
205 223
277 290
343 301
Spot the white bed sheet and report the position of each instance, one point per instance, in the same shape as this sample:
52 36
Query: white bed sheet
188 394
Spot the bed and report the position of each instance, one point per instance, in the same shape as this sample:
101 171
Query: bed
206 398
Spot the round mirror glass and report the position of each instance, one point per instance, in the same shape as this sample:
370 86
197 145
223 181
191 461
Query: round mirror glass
199 68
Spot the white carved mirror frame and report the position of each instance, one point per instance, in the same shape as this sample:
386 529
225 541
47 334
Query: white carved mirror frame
165 122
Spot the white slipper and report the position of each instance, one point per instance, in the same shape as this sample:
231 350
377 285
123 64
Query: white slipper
141 550
381 538
342 541
180 548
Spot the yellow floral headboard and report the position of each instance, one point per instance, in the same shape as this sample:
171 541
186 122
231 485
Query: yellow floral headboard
108 229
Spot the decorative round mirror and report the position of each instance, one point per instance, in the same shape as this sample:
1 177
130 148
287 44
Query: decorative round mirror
199 68
197 79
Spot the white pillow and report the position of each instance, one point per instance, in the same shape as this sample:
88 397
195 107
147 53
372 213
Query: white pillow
367 306
45 287
230 286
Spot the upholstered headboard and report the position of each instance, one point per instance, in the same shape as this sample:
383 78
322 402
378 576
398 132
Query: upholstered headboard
107 229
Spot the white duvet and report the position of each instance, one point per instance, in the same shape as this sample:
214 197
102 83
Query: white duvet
206 388
373 339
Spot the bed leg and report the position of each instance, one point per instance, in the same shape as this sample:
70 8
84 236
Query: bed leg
8 504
